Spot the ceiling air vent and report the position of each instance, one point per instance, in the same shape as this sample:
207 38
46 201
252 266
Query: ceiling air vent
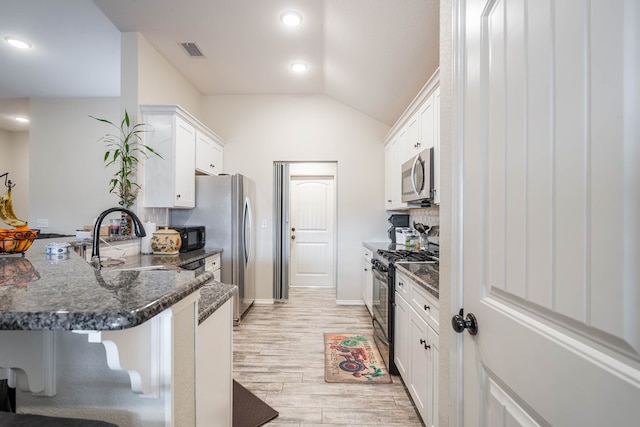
192 49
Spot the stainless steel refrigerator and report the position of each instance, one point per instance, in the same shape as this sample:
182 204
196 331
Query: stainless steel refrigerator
224 205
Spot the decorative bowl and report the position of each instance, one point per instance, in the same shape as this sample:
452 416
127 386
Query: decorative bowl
16 241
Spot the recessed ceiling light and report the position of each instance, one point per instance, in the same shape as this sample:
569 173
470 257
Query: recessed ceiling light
20 44
291 18
21 119
299 67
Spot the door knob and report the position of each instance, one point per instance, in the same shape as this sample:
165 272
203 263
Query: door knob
293 237
293 229
460 323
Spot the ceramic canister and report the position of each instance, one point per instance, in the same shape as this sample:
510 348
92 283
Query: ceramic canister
166 241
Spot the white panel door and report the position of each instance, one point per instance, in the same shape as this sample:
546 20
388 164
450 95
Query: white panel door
548 151
312 231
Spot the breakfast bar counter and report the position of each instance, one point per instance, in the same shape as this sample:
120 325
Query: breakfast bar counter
37 293
68 332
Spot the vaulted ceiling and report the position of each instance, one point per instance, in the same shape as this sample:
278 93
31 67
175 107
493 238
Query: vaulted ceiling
373 55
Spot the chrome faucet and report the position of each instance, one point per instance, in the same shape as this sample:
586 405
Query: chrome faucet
138 228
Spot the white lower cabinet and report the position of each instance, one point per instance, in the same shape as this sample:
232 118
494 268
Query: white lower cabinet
367 279
417 350
214 373
423 375
402 350
212 263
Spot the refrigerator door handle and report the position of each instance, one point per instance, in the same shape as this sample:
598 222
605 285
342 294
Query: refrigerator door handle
247 221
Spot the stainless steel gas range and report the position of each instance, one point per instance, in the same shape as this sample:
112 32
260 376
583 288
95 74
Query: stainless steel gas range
383 267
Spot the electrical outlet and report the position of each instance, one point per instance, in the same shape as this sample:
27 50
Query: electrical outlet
42 223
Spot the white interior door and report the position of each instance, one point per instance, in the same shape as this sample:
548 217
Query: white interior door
312 231
550 190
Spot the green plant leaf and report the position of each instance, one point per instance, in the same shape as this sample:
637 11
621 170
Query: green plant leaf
121 151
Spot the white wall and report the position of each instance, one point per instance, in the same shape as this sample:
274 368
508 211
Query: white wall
68 183
147 78
160 83
14 158
261 129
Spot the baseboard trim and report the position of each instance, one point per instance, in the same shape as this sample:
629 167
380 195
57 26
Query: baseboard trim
350 302
263 302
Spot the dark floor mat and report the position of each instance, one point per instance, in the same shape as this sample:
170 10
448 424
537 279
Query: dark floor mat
248 409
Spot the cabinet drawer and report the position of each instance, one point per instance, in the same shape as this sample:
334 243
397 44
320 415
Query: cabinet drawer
403 285
212 263
367 253
425 305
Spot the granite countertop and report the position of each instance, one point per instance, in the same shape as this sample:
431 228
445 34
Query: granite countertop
424 274
374 246
212 296
37 293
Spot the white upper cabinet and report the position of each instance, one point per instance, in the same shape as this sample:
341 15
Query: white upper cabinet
430 136
414 142
416 130
436 146
208 154
428 123
169 182
392 190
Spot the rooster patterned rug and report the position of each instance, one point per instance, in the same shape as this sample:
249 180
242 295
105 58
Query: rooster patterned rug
353 359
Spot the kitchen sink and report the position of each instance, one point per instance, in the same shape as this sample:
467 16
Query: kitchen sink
119 264
144 268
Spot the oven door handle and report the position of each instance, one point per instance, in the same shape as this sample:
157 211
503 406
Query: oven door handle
378 275
382 337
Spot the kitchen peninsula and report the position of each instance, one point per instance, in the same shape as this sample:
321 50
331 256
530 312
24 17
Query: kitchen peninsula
53 313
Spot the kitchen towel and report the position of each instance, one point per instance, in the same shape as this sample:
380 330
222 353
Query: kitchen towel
145 244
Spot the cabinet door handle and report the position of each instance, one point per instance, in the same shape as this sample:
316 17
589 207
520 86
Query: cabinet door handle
177 196
422 341
426 307
400 284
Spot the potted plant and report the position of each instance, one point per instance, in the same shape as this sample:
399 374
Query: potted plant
123 147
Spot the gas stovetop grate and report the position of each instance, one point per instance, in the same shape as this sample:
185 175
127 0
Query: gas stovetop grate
405 255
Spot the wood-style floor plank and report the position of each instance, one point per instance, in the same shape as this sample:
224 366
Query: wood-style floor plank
278 353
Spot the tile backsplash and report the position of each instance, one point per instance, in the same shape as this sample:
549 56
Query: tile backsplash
429 216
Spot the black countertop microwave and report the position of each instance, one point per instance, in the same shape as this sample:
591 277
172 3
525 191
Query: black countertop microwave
193 237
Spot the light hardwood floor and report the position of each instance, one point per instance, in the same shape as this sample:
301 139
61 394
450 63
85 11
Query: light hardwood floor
279 355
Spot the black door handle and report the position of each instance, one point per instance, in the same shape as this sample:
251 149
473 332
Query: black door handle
459 323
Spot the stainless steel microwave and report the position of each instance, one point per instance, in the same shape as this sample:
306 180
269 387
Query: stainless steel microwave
417 179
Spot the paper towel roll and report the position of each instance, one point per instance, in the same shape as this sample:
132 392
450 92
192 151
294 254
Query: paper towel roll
145 244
